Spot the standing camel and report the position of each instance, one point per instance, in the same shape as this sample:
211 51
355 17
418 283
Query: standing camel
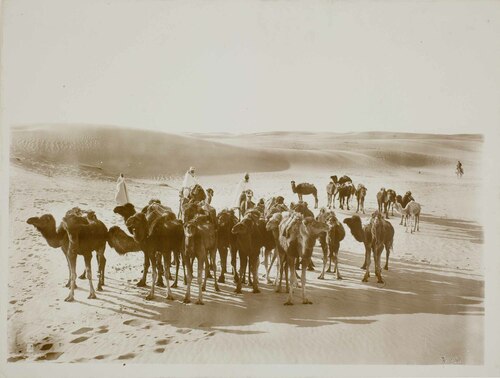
345 190
330 241
305 189
128 210
297 237
360 197
412 211
226 240
331 192
363 234
200 244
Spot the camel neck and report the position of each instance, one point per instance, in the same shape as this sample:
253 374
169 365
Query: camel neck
53 237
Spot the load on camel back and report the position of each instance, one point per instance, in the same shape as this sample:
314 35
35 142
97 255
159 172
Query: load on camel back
194 194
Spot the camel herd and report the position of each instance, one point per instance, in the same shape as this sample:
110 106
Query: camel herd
286 235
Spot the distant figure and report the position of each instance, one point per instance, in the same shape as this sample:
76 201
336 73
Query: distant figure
242 187
460 169
189 181
121 196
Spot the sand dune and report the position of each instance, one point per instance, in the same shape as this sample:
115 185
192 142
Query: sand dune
146 154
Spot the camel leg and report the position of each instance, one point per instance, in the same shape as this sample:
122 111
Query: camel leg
82 276
418 222
268 268
315 201
336 261
378 269
201 262
101 268
142 282
325 257
279 273
72 267
243 268
177 266
291 266
213 255
88 270
68 284
166 264
152 258
367 262
189 267
207 268
161 270
387 253
254 264
303 282
223 264
234 251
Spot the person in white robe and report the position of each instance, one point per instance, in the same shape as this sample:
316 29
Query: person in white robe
121 196
189 181
243 186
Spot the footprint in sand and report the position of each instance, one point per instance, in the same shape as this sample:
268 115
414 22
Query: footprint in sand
15 359
79 339
46 346
127 356
183 330
100 357
103 330
81 330
160 350
132 322
162 342
49 356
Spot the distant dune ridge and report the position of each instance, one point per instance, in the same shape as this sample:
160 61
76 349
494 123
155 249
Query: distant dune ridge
145 154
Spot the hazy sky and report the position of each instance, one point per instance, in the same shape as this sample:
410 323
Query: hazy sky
425 66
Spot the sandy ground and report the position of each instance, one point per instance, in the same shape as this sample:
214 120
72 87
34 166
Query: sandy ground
430 311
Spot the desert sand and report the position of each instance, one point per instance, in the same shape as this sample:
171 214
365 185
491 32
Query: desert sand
429 311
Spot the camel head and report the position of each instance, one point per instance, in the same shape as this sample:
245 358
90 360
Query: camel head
356 227
138 226
225 218
293 186
44 223
377 228
126 211
334 179
121 242
314 227
244 226
274 222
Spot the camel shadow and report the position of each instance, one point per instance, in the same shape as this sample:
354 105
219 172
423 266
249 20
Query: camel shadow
410 288
459 229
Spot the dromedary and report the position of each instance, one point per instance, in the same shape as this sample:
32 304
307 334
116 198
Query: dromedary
363 234
360 196
157 231
330 241
128 210
200 242
226 219
272 225
80 233
297 237
345 191
331 192
412 211
58 238
404 201
249 239
305 189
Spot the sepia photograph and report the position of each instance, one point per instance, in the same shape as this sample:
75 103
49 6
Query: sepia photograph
250 188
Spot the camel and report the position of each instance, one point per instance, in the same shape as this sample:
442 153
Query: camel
196 194
360 196
345 191
404 201
226 240
382 234
412 211
157 231
55 237
391 200
248 239
80 233
363 234
200 243
330 241
305 189
386 198
331 192
272 225
382 199
297 237
126 211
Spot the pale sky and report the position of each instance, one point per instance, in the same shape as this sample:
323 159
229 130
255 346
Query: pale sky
250 66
